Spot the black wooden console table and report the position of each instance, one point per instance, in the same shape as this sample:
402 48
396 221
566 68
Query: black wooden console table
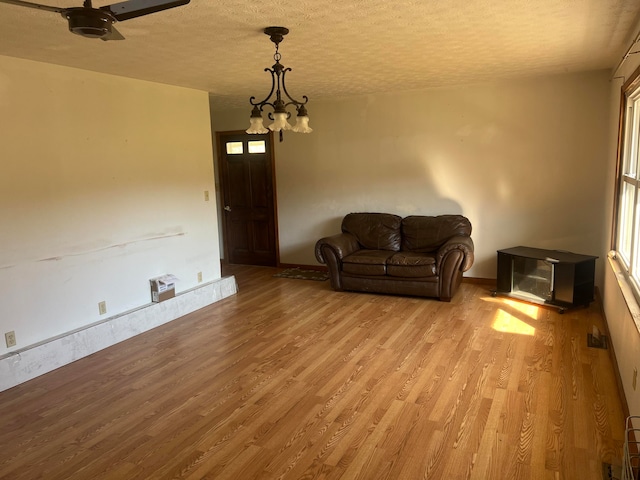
549 277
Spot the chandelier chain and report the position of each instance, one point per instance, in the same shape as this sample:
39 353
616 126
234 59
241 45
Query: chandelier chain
277 56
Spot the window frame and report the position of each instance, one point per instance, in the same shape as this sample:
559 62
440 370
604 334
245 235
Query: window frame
628 258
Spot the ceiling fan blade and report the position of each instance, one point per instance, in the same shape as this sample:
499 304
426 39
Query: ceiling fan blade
137 8
34 5
114 35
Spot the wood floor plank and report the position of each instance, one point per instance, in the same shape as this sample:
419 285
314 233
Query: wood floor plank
289 379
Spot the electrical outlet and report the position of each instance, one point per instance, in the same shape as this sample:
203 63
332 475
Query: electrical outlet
10 339
206 195
102 308
199 277
635 377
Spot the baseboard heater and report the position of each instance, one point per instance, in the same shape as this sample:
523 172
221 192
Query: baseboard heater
21 365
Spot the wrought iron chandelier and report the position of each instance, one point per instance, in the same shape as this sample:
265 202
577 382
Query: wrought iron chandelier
280 115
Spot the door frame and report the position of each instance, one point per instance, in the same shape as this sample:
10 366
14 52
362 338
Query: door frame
222 224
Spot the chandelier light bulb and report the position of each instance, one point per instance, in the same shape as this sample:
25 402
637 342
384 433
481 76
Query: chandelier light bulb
280 122
257 126
302 125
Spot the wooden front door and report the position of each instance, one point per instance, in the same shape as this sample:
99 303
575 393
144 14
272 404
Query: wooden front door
248 195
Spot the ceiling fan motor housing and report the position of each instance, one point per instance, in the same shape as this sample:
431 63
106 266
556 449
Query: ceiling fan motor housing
89 22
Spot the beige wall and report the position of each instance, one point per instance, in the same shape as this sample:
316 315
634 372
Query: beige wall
524 160
101 189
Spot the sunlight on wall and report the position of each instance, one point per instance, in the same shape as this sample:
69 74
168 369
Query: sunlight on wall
503 189
512 322
444 178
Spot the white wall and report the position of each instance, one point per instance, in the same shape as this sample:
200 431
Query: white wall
102 188
524 160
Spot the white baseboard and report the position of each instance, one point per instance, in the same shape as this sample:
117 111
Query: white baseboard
21 365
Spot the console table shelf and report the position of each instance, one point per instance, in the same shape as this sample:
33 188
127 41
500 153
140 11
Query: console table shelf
547 277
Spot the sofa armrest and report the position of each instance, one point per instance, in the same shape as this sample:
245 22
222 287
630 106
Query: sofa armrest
459 243
340 245
331 251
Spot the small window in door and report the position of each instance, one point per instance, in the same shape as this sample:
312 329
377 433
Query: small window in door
257 146
235 148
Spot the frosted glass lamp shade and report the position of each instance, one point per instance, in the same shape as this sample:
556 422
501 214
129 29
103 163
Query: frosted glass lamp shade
302 125
279 122
256 126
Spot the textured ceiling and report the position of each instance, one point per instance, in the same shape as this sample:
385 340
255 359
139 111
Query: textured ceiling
335 47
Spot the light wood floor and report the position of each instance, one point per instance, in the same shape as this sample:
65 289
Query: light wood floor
290 380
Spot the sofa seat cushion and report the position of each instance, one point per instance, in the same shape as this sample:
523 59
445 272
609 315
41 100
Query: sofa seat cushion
367 262
411 265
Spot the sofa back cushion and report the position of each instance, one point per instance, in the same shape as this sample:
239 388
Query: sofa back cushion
374 231
427 234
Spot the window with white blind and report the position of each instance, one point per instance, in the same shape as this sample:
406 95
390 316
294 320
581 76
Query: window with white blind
627 239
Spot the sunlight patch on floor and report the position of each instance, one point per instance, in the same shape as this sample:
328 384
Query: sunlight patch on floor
513 322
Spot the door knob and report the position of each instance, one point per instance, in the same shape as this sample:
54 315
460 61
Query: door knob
227 208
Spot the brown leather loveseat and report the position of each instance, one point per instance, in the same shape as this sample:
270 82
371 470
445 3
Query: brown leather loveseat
385 253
